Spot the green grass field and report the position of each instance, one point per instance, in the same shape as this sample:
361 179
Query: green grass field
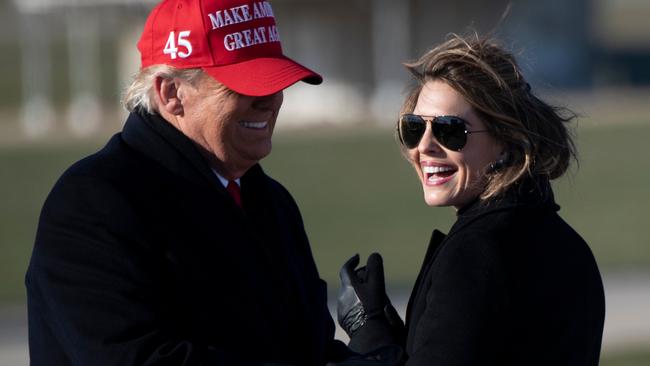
640 358
357 194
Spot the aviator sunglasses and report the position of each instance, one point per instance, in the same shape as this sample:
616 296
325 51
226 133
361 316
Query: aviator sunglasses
450 131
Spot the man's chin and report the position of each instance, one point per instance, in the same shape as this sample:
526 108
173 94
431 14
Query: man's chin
250 160
258 154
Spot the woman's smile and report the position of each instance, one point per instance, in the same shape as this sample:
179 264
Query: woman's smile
435 174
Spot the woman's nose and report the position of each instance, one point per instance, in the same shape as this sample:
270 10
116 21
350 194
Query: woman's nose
428 144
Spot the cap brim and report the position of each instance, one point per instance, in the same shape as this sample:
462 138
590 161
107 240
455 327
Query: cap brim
262 76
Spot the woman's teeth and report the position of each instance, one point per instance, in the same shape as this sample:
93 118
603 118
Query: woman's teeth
436 169
254 125
436 175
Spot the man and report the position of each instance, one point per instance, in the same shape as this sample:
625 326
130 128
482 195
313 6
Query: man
171 246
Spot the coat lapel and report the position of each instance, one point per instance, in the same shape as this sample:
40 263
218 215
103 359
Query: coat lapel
434 245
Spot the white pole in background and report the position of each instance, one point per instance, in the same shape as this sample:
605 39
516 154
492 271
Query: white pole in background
85 109
390 43
128 59
37 113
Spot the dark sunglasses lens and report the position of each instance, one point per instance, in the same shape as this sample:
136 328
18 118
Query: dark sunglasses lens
450 132
411 129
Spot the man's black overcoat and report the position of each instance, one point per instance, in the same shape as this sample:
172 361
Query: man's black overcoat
142 258
511 284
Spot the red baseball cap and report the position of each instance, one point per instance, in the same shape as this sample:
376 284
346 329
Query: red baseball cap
234 41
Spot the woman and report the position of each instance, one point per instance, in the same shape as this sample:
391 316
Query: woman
511 283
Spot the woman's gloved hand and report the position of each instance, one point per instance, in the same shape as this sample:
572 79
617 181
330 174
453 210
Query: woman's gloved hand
364 310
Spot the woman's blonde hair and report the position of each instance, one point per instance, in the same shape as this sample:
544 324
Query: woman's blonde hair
532 132
140 94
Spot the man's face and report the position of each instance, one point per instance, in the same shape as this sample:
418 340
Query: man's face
233 131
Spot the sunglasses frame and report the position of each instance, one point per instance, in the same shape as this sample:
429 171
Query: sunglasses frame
435 120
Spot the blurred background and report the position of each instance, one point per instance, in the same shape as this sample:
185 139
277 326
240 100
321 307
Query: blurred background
64 64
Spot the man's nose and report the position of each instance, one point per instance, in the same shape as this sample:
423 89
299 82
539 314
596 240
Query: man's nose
272 101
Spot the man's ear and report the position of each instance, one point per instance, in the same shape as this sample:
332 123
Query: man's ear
167 91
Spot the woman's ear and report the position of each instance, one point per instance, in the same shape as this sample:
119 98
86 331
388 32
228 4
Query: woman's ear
502 161
169 95
504 156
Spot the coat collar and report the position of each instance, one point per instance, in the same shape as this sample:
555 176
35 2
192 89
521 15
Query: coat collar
162 142
532 192
153 136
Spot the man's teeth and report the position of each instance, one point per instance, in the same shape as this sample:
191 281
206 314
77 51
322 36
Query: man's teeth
256 125
436 169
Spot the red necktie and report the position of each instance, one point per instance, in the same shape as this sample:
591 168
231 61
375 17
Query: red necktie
233 189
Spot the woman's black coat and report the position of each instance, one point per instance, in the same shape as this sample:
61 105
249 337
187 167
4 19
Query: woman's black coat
511 284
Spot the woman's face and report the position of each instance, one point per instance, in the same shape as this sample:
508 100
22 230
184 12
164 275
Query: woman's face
448 177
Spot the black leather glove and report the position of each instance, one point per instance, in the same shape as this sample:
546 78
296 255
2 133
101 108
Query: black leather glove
364 310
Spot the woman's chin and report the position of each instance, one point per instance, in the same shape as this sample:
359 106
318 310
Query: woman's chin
434 199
